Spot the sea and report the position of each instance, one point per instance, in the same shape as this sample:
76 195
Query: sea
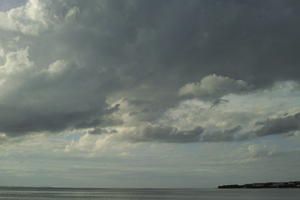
148 194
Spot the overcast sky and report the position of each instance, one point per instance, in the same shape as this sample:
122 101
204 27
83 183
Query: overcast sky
149 93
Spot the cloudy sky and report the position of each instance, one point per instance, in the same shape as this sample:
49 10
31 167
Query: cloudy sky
140 93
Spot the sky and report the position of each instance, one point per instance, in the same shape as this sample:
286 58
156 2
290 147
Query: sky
139 93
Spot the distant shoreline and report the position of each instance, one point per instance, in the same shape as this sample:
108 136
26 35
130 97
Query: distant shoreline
290 184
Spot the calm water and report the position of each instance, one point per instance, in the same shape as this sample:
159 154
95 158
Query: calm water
134 194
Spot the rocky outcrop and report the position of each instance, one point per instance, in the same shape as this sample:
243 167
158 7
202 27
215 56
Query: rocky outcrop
291 184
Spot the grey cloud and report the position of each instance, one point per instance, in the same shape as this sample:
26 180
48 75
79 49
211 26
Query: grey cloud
61 96
157 133
167 134
151 110
19 121
218 101
185 41
99 130
142 50
233 38
224 135
182 41
279 125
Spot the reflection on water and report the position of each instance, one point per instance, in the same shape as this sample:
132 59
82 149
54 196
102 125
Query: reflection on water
134 194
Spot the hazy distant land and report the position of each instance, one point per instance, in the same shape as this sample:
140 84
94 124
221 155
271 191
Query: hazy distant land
290 184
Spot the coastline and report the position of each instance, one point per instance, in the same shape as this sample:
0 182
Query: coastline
289 184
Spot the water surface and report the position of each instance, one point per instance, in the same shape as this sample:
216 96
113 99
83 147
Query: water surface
149 194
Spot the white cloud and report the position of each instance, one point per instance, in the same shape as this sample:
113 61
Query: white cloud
257 151
37 16
214 87
241 113
16 62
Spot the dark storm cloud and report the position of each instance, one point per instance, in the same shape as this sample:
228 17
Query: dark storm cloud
279 125
156 42
241 39
137 49
19 121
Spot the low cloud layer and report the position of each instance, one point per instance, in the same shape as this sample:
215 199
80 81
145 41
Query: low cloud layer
155 133
245 116
279 125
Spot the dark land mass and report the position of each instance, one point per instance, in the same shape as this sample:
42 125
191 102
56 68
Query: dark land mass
291 184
